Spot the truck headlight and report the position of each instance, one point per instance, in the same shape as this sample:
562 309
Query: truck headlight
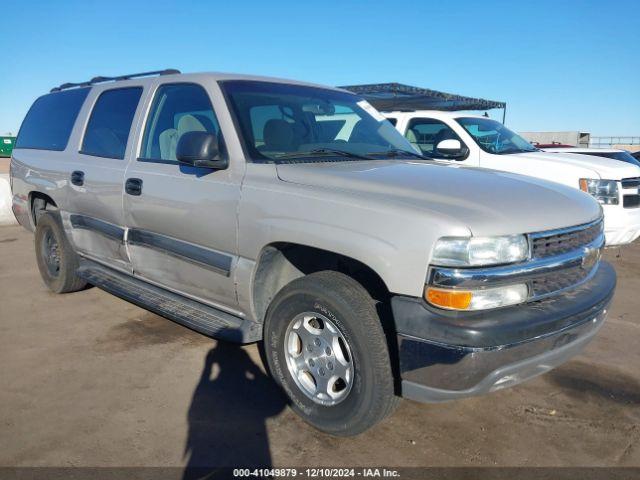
605 191
480 251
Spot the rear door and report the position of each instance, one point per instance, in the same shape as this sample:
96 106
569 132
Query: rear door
94 218
182 220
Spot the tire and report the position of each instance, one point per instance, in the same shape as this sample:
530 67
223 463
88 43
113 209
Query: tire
59 274
324 302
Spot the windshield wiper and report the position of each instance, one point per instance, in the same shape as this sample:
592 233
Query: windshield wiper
397 152
318 152
517 150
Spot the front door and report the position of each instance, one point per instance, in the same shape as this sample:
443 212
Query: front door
182 220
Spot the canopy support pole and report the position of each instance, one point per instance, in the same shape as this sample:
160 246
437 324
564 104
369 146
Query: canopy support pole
504 113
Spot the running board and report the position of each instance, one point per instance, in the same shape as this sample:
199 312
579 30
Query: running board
190 313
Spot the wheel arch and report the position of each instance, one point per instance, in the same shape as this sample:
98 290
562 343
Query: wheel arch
38 203
279 263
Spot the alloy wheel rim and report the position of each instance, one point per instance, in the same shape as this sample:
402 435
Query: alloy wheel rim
319 358
51 253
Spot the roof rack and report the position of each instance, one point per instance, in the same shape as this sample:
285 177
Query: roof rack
396 96
101 79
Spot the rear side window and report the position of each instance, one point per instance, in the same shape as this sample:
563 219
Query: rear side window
50 119
108 129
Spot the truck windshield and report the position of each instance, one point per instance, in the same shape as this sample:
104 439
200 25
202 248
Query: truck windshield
494 137
285 122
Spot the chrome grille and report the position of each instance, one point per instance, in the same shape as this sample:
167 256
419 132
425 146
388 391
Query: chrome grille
562 280
548 244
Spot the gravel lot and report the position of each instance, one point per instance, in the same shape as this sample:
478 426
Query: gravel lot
90 380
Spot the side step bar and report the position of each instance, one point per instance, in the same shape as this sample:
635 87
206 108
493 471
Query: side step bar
190 313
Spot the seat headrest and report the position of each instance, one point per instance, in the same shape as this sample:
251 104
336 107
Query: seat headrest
411 136
189 123
360 134
278 135
445 134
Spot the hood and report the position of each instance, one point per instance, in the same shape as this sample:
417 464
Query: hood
485 201
605 168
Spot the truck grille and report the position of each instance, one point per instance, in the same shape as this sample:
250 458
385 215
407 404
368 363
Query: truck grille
558 242
631 200
546 285
630 182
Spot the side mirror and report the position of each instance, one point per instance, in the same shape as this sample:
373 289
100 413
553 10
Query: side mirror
200 149
451 149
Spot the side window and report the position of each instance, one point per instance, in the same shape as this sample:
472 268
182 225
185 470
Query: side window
108 129
50 119
392 121
426 133
177 109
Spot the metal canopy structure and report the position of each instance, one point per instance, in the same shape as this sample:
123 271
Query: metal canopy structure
396 96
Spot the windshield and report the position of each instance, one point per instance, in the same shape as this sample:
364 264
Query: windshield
622 156
284 122
494 137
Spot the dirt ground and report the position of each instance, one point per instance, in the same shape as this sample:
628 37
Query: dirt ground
87 379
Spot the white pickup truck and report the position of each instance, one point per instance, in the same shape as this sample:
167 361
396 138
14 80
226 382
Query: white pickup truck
478 141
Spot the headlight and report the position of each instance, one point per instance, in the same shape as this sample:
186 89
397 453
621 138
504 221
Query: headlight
605 191
479 251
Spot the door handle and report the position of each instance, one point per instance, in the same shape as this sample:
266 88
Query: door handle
77 178
133 186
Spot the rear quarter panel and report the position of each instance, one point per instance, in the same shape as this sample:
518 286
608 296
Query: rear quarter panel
41 171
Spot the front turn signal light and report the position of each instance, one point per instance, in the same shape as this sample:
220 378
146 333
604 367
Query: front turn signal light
449 299
480 299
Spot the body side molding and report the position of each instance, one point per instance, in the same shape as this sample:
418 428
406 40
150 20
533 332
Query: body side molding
89 223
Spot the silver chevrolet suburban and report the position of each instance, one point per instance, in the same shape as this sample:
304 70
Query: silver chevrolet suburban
256 209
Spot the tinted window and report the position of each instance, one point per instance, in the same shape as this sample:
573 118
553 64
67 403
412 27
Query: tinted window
110 122
281 121
176 110
392 121
426 133
50 119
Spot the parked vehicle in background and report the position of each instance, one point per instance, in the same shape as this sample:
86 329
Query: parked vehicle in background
613 153
6 145
255 209
482 142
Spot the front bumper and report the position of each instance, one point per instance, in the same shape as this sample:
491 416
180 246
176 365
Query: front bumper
621 225
448 355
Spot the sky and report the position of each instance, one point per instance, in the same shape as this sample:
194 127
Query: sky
559 65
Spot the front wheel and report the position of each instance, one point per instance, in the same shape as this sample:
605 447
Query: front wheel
326 347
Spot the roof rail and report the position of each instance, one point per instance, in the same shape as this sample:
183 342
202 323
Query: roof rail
101 79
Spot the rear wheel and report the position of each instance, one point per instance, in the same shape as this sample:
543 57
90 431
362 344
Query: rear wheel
325 346
57 262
